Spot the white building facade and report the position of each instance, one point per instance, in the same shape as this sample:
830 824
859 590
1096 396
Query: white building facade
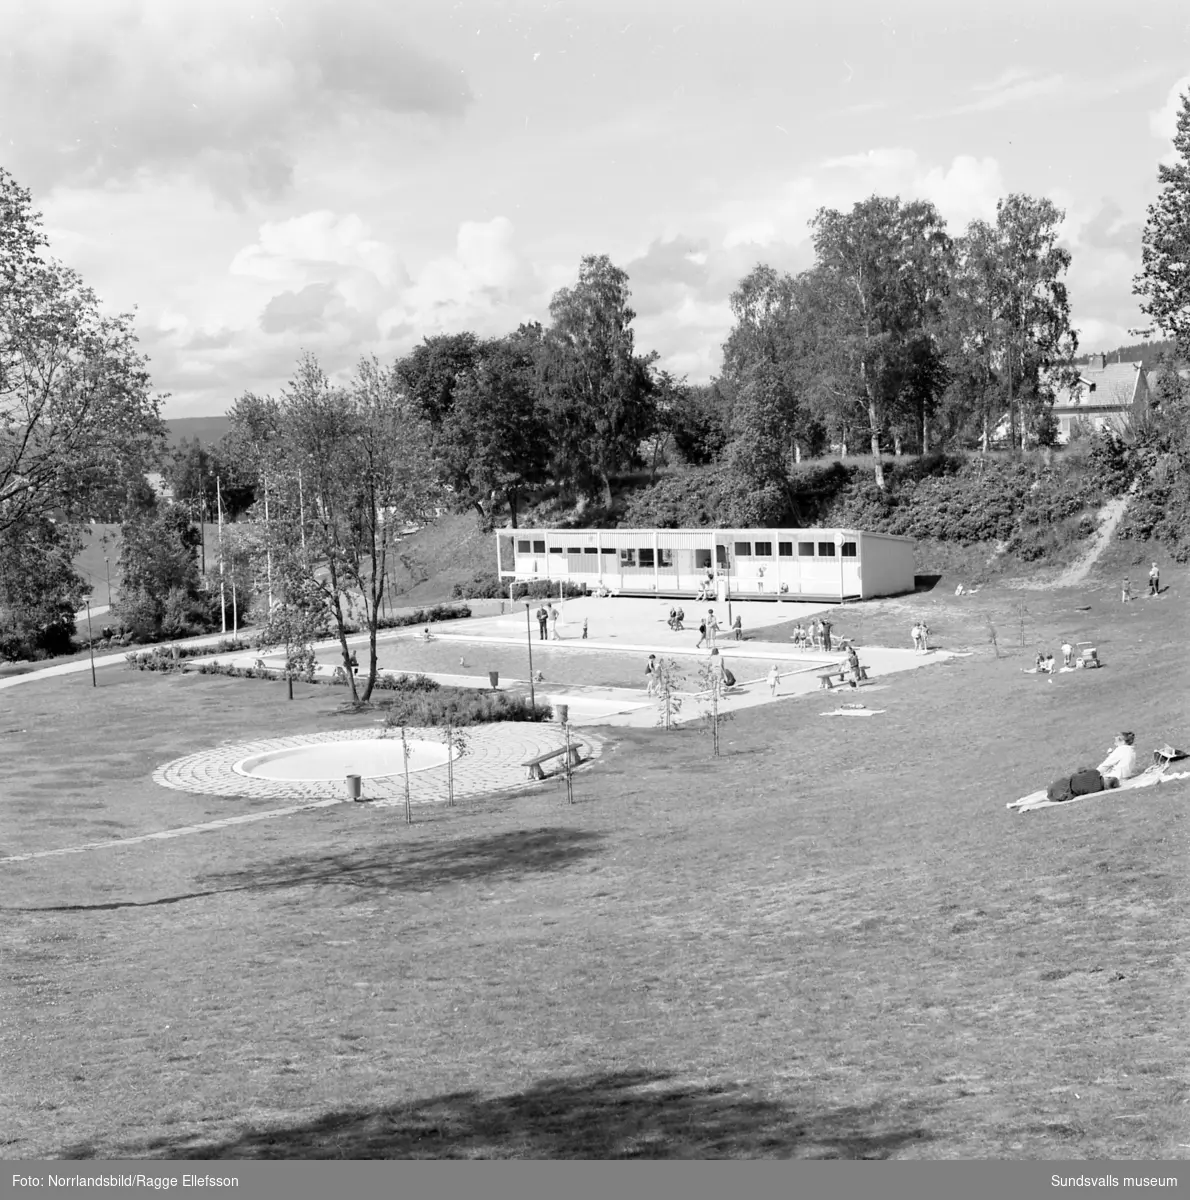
778 564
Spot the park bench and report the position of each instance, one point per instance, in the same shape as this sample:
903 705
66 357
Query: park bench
533 765
840 673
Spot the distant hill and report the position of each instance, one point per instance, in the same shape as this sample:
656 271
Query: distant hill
1141 352
208 430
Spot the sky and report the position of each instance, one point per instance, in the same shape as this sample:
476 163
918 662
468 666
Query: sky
348 178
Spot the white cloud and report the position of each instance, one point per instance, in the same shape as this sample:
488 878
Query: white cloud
473 288
1163 121
294 250
962 190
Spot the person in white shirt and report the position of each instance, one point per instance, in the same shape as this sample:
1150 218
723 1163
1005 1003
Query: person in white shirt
774 679
1067 654
1120 764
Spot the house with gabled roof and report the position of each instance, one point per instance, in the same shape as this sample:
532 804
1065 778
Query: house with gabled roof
1107 395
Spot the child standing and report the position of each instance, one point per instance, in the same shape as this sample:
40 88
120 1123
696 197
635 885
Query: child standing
584 629
738 626
1126 591
774 679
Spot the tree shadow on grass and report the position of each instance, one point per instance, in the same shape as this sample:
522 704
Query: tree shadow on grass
632 1114
504 857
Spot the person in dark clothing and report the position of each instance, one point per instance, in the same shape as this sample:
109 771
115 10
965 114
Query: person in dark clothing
826 634
542 618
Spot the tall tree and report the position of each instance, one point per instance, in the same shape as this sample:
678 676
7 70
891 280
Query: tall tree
40 591
879 278
1164 279
1039 345
76 415
492 441
367 477
599 393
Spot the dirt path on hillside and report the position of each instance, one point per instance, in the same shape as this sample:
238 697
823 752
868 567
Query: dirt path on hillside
1109 517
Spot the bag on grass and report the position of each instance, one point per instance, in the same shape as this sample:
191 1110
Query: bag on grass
728 678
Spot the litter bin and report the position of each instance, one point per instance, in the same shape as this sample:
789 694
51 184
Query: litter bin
353 787
563 714
494 679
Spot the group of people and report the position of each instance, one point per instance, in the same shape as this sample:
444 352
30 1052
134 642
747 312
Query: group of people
1154 584
1119 765
551 617
676 618
1046 664
921 637
706 589
816 635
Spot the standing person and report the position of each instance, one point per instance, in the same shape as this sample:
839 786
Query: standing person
1154 580
554 622
1126 591
915 633
826 634
584 629
738 628
774 679
651 676
1067 654
712 626
681 616
925 638
853 663
542 618
702 633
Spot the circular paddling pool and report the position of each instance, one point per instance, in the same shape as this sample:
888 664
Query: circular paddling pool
324 761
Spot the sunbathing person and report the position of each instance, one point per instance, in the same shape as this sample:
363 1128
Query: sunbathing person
1120 764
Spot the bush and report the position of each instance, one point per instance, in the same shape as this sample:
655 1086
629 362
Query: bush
463 706
426 616
388 682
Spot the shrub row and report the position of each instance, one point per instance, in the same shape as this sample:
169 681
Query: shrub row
463 706
424 616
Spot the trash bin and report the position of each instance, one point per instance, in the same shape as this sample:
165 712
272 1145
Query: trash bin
563 714
494 678
353 787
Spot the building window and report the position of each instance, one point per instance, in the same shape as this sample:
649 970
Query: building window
646 557
702 560
850 550
628 558
591 550
785 549
607 550
555 549
665 558
539 547
764 549
826 549
743 549
574 549
805 549
522 547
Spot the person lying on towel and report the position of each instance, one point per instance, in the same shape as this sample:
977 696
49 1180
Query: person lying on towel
1120 764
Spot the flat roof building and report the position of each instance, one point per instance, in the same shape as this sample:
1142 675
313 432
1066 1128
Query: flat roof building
778 564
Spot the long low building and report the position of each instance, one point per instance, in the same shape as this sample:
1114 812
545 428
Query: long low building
779 564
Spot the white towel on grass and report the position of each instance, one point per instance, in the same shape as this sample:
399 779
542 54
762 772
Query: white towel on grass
1038 799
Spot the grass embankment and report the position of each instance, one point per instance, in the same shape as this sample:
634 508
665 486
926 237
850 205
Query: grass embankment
833 941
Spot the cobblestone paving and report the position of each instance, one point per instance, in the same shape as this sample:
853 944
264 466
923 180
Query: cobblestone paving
493 761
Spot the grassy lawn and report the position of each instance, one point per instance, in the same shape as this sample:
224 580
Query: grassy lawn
831 942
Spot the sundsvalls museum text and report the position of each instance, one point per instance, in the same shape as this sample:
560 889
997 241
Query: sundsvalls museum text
159 1183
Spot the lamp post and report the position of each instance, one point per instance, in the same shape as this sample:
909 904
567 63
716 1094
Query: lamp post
222 591
107 570
529 634
90 641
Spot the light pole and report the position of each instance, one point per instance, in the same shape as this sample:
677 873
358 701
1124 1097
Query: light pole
90 641
222 592
529 633
108 572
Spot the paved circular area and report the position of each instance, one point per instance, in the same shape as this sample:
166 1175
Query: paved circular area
492 760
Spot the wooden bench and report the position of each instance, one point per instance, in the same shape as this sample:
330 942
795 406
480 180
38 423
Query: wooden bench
533 765
841 674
